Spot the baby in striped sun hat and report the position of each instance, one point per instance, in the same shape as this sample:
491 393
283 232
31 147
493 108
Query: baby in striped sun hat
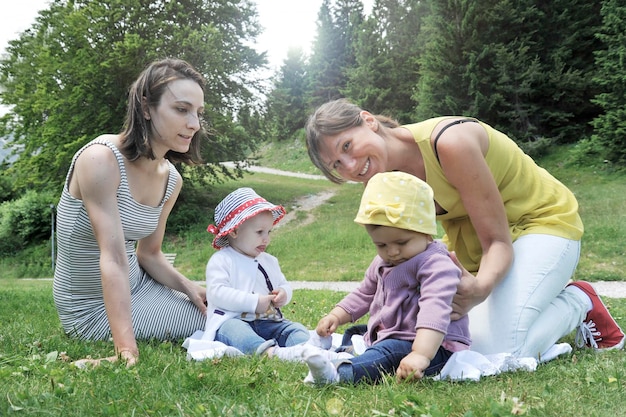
236 208
245 285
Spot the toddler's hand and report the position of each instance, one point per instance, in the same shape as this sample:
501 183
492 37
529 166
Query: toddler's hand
412 366
264 303
130 356
280 298
327 325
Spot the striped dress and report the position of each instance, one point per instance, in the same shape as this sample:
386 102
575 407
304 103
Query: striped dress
157 311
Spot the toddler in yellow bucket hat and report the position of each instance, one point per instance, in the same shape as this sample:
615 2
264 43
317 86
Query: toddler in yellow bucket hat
400 200
407 291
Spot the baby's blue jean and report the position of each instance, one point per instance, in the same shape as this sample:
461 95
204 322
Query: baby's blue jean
384 358
247 336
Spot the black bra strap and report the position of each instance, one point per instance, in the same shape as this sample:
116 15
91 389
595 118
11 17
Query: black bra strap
456 122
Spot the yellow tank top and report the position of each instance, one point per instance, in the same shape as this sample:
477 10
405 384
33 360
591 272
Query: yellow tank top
535 202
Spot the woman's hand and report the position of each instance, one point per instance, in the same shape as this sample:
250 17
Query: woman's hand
130 356
197 295
468 293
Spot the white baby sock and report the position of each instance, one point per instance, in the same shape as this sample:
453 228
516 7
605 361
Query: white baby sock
321 370
290 354
295 353
324 342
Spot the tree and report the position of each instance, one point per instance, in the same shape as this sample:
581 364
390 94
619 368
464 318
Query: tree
565 44
66 78
348 17
387 52
522 66
609 138
286 104
440 86
333 49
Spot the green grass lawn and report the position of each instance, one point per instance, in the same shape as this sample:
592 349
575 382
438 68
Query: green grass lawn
36 378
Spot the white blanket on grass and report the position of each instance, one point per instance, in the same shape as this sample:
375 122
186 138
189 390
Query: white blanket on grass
463 365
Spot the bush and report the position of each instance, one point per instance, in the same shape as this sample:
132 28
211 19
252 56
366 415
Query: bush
195 205
26 220
537 148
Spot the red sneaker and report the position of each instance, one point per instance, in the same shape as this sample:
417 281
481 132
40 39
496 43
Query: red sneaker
599 330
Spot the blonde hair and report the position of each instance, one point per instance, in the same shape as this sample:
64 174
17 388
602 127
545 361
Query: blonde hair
330 119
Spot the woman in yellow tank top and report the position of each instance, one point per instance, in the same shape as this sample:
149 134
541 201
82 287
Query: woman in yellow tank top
512 226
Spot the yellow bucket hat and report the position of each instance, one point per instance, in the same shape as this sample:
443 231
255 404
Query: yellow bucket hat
398 199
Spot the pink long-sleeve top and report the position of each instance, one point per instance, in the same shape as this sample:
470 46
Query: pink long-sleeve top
415 294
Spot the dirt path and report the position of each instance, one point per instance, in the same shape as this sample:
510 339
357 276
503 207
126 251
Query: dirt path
264 170
306 204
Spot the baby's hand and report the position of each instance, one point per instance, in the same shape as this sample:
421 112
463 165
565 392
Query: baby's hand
264 303
280 297
412 366
327 325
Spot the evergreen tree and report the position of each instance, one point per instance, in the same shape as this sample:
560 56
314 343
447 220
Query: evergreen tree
349 16
66 79
442 86
521 66
365 84
504 68
333 49
565 43
609 138
387 53
324 70
286 104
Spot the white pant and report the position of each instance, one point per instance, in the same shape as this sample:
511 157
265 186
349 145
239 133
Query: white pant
530 310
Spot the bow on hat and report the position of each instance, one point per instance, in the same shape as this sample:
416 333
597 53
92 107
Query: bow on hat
392 211
213 229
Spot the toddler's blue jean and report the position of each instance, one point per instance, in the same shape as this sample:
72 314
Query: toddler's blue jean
247 336
384 358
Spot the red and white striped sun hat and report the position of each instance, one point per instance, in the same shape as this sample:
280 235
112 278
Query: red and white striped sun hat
236 208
